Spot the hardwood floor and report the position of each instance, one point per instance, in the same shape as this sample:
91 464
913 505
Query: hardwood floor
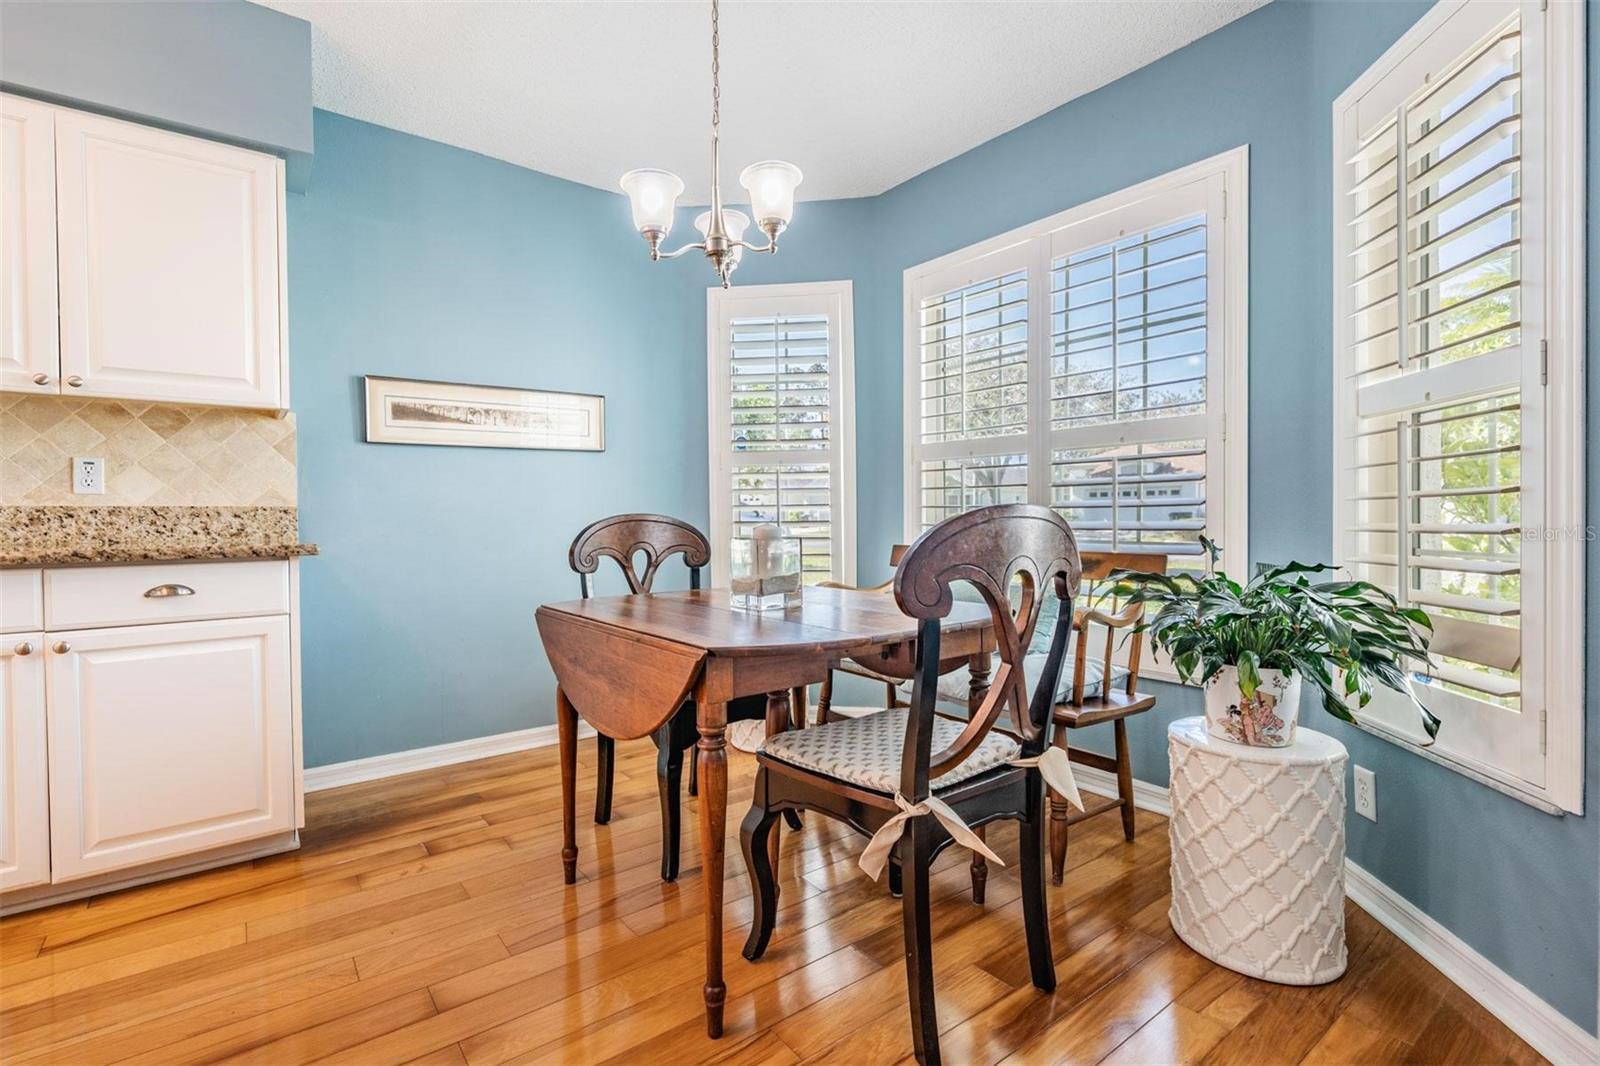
425 921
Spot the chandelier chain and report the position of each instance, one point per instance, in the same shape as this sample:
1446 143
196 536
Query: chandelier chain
716 71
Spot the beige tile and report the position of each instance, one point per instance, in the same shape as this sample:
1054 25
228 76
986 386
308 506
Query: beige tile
155 453
165 420
75 436
40 412
41 459
15 482
134 440
107 416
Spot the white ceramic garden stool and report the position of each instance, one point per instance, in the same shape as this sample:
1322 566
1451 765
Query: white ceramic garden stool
1258 853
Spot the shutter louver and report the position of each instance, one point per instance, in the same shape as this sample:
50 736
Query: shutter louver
780 432
1433 508
1129 342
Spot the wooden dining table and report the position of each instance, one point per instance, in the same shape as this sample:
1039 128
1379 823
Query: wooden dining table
626 664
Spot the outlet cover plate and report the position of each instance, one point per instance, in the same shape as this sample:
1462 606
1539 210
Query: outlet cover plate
88 476
1366 793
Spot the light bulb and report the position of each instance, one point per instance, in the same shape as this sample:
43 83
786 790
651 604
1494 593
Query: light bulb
652 194
771 185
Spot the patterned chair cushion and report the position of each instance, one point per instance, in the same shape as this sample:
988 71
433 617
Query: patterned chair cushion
866 751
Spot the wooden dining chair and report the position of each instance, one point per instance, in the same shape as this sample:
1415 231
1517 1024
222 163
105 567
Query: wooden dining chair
1109 702
881 772
652 539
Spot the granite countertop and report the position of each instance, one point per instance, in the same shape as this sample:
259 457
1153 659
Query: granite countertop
94 536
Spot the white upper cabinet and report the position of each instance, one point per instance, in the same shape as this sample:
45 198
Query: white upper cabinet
29 359
169 260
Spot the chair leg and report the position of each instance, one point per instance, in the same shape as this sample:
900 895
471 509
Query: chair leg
1124 777
825 700
606 748
694 775
669 773
1035 908
897 884
1058 825
915 848
980 868
754 832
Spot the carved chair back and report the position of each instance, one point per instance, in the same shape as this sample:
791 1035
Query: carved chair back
1098 567
989 548
625 537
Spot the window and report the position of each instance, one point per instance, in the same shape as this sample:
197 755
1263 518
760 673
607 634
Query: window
1458 425
1095 362
781 427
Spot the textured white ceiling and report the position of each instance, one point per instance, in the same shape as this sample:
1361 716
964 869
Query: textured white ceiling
860 95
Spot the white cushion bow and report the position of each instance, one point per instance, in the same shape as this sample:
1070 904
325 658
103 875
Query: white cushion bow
1054 766
877 852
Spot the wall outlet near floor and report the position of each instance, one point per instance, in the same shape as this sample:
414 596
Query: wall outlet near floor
1366 793
88 476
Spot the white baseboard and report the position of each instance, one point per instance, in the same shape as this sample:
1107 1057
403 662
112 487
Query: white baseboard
355 771
1550 1033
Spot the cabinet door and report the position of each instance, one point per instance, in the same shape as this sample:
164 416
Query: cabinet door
169 265
167 740
24 794
29 357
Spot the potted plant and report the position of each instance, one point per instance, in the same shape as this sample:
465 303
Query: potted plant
1254 645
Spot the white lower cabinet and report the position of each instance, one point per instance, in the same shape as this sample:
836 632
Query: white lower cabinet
167 740
24 792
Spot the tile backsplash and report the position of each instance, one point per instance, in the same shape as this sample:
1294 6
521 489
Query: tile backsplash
163 454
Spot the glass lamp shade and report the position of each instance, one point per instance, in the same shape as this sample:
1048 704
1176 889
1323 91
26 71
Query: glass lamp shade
653 194
771 185
734 223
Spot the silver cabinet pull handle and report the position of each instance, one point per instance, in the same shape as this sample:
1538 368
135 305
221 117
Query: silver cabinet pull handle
24 648
161 592
75 381
62 647
41 379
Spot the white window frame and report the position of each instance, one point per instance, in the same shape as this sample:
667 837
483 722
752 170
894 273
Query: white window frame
1553 195
1219 186
837 299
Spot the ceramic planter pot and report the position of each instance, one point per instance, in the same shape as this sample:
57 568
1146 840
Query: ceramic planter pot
1265 720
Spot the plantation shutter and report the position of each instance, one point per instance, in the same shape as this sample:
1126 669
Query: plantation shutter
1440 376
779 434
972 345
1130 380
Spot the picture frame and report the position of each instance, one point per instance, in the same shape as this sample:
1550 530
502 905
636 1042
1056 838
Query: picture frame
454 414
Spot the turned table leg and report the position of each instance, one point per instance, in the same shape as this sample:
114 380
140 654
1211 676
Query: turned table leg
713 823
567 728
977 689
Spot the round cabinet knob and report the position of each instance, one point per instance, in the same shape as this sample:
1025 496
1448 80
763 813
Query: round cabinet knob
24 648
41 379
62 647
75 381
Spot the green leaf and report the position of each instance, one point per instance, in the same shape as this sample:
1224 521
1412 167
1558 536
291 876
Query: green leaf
1249 674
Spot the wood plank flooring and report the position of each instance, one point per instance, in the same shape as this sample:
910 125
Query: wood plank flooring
424 920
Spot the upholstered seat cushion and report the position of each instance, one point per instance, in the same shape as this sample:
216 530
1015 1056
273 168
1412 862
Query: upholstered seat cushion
866 751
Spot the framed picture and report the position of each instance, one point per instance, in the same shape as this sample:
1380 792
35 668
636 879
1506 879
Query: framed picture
401 411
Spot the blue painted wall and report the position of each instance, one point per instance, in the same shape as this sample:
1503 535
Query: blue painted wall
412 259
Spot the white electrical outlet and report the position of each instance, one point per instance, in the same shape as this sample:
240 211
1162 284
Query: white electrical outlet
1366 793
89 476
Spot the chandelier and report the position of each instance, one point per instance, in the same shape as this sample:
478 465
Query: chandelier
653 195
